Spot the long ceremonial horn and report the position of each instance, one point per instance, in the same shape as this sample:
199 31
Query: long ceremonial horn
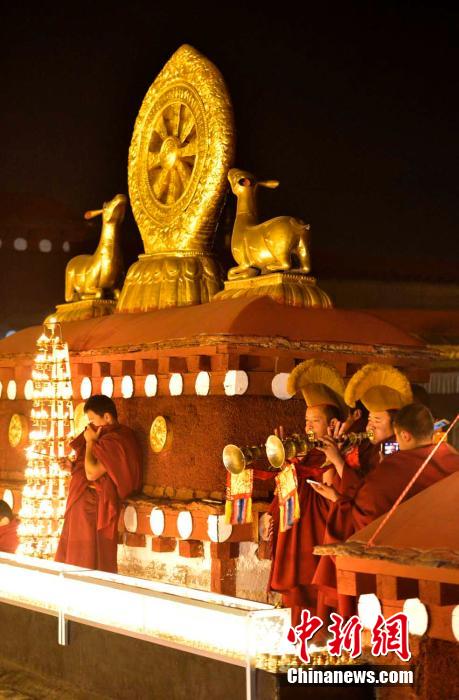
92 213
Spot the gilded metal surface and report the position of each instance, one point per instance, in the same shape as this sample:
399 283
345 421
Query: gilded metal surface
237 459
291 288
181 149
160 434
97 276
268 246
82 310
17 430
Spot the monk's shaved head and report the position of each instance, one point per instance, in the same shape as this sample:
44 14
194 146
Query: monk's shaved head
415 419
101 404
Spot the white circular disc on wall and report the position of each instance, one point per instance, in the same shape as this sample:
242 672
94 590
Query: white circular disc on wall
85 388
28 390
217 529
236 382
369 608
157 521
202 384
127 386
11 390
279 386
185 524
455 622
107 386
151 385
130 519
176 384
8 498
418 617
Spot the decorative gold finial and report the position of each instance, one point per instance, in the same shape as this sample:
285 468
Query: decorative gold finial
272 256
181 149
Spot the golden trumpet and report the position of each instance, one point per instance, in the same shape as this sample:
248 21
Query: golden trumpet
236 459
278 450
355 438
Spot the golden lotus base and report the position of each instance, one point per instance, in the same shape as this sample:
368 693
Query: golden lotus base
165 281
290 288
82 310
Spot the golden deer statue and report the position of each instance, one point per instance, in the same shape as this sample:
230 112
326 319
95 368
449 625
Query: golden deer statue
98 276
268 246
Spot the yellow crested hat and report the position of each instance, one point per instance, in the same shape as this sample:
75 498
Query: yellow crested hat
320 383
379 387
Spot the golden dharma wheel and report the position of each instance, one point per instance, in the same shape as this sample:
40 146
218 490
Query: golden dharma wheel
17 430
172 153
181 149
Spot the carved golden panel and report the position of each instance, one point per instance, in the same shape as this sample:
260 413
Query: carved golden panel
18 430
160 434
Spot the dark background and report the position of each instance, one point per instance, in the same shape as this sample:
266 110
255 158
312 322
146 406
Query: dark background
351 105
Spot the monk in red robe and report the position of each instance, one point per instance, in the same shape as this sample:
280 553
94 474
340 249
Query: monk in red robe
413 426
381 390
9 540
107 469
293 562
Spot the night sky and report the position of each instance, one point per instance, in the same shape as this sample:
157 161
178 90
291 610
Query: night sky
353 107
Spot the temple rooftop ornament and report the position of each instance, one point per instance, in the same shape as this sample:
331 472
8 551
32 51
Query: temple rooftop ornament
92 282
181 150
267 252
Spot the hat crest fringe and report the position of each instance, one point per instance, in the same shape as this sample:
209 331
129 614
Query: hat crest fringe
374 375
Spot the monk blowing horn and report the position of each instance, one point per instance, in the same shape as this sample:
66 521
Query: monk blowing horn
389 513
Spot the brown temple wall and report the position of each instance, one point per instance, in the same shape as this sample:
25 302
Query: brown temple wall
201 427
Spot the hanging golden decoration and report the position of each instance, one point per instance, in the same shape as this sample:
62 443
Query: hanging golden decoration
181 150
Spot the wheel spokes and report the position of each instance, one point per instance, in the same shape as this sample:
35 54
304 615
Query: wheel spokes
160 185
187 125
160 127
173 192
170 165
153 161
184 172
189 149
173 117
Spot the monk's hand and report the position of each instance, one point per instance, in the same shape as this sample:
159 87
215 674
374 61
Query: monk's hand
91 435
326 491
328 475
279 432
331 451
336 429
